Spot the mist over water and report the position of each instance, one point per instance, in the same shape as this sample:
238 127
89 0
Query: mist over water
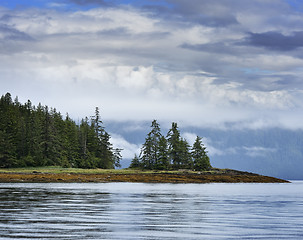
151 211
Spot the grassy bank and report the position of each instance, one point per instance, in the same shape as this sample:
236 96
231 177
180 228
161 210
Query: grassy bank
57 174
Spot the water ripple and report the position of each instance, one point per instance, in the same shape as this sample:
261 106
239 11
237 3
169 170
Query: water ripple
151 211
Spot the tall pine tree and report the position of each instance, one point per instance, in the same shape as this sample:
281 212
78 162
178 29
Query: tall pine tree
174 146
150 150
37 136
199 154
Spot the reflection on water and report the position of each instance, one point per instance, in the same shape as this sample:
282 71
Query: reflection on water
151 211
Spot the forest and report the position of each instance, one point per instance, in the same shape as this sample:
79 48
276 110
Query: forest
39 136
171 152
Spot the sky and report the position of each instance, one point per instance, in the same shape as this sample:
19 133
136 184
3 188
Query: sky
232 64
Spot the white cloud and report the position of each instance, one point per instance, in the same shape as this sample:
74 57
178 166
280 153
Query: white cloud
256 151
252 151
134 79
131 64
128 149
212 151
190 137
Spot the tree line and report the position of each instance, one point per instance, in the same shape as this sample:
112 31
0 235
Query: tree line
171 152
39 136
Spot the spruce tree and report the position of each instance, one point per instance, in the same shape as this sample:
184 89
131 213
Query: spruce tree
83 136
163 160
37 136
174 139
36 140
7 154
199 154
8 132
51 140
135 163
71 144
105 152
150 150
185 155
117 157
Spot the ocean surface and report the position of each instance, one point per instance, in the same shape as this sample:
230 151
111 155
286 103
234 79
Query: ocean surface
151 211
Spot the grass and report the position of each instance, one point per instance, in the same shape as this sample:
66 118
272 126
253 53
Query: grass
59 174
57 170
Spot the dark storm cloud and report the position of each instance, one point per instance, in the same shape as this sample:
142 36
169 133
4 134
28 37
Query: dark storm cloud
5 17
209 47
205 12
9 33
116 32
193 11
212 21
275 40
125 33
267 82
89 2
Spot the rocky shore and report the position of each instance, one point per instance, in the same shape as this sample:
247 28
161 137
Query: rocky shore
182 176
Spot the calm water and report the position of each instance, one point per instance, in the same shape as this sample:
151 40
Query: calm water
151 211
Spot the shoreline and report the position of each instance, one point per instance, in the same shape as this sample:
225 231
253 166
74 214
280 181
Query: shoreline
103 176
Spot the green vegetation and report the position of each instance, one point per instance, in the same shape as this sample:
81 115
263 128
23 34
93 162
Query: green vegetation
172 152
39 136
58 170
59 174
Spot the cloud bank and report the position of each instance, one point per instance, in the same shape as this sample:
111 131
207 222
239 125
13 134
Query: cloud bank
215 64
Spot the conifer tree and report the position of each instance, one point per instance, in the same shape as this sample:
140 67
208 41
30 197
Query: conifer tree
117 157
149 152
50 139
135 163
199 154
37 136
105 152
36 126
185 156
163 159
71 144
8 130
84 128
7 154
174 139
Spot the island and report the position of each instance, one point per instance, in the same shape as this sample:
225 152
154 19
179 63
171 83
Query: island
68 175
34 138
